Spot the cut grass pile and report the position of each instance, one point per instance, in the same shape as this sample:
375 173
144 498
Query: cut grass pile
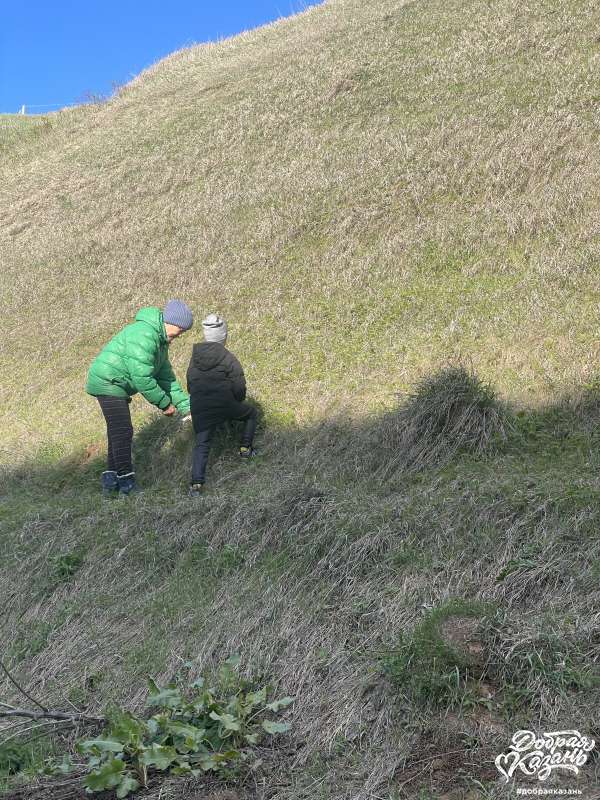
372 195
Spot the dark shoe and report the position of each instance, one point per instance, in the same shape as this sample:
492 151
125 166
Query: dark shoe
247 452
127 484
196 489
110 484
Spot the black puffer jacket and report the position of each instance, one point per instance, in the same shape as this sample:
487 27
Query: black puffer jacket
216 384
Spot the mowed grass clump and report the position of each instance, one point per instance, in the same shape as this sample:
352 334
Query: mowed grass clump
449 412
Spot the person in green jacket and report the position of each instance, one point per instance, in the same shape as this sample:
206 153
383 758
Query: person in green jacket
137 360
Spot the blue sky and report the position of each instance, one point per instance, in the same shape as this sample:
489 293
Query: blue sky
56 52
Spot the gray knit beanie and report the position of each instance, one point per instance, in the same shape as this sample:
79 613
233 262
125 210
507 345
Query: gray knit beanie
177 313
214 328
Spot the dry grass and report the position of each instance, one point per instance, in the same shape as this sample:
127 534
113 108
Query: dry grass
367 193
448 413
311 570
364 192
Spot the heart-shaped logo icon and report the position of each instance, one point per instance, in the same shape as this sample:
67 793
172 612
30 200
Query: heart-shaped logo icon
509 760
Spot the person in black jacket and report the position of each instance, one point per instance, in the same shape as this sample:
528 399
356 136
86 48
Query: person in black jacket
217 389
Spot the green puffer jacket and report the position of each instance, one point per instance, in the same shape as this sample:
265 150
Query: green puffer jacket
137 360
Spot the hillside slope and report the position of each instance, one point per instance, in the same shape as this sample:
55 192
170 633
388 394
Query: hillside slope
363 192
367 193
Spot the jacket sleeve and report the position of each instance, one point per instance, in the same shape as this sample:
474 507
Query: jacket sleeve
237 378
169 383
140 360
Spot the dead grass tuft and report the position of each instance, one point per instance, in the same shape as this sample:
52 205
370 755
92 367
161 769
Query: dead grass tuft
448 413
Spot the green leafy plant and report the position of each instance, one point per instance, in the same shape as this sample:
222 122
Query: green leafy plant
65 565
190 732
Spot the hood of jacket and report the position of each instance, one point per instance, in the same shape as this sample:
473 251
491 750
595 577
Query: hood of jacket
207 355
153 317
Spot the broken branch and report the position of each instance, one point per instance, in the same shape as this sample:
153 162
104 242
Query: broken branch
45 714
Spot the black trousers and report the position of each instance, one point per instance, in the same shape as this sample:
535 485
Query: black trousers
119 431
204 437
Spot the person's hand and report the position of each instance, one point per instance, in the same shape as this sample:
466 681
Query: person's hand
168 412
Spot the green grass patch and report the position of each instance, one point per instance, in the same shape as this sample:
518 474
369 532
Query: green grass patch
429 666
22 758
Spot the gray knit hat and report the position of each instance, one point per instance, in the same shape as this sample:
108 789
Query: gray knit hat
214 328
177 313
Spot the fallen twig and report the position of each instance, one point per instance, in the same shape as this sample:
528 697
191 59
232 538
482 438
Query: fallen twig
46 714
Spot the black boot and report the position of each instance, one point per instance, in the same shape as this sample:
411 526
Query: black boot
110 484
127 484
